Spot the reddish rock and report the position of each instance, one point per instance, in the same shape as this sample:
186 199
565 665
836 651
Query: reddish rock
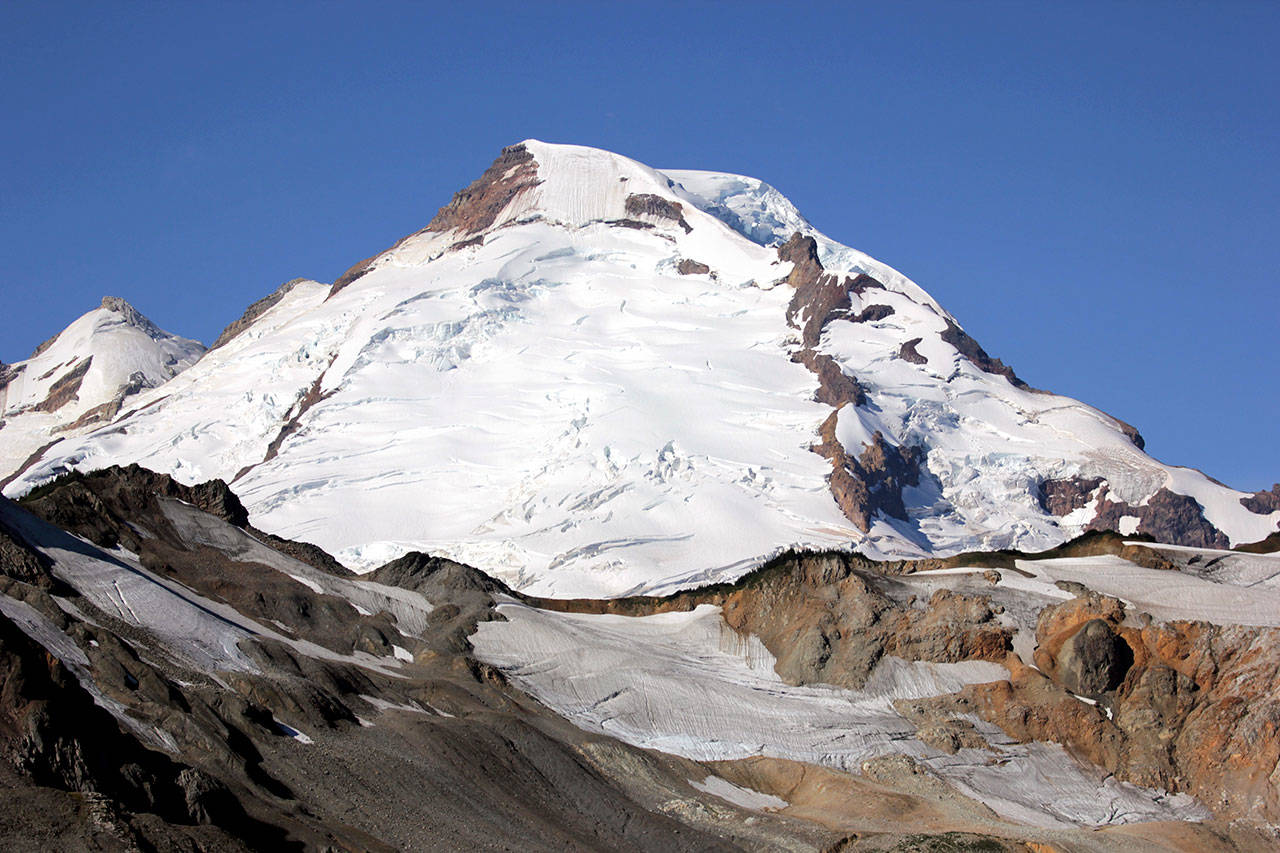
835 387
473 208
688 266
1061 497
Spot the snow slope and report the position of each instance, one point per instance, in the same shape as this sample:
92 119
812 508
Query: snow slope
685 683
115 351
552 400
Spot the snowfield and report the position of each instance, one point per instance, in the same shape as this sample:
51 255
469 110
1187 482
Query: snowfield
561 407
685 683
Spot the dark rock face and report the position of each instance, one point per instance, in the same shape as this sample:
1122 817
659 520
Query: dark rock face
1167 516
647 204
689 266
872 313
18 560
52 734
1094 660
254 311
1131 431
873 482
8 373
498 769
970 349
818 296
1060 497
64 389
835 387
97 505
1263 503
908 352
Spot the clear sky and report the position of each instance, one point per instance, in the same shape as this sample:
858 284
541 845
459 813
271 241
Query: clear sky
1093 190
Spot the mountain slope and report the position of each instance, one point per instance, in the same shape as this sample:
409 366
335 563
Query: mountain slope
592 377
83 375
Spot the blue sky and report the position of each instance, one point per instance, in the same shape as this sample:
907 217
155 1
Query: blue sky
1092 189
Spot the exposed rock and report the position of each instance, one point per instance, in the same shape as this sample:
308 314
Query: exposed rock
477 240
1094 660
863 282
1269 545
312 396
835 387
1131 432
354 272
132 316
688 266
647 204
53 734
473 208
633 224
254 311
18 560
1167 516
31 459
908 352
873 313
8 373
1263 503
98 414
44 345
64 389
1194 707
873 482
1061 497
98 505
970 349
817 295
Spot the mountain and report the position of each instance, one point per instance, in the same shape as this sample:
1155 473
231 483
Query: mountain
679 527
594 378
82 376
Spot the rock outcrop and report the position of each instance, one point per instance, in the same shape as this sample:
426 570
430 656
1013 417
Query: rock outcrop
254 311
656 207
1166 515
1062 496
1263 503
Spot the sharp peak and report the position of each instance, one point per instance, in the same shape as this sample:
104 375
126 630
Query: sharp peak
131 316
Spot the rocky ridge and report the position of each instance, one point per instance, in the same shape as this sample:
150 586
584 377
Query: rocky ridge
346 701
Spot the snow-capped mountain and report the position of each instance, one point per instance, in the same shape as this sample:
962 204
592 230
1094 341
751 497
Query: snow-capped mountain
83 375
592 377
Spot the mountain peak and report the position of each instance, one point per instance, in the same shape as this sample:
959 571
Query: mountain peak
594 377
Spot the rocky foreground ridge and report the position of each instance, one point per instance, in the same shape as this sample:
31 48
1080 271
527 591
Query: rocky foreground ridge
177 679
